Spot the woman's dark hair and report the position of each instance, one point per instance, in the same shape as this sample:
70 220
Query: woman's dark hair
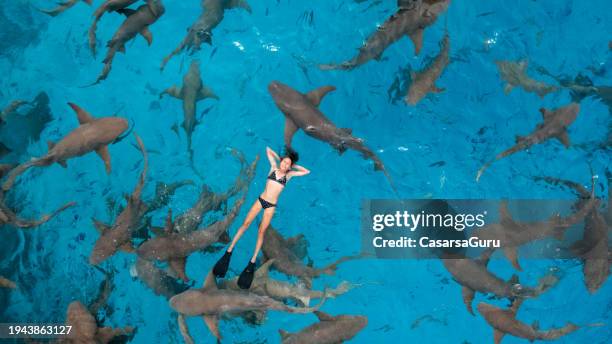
291 154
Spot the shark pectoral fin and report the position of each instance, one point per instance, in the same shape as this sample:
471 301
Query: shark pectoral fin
497 336
210 282
206 92
290 129
127 247
468 298
148 36
105 156
507 89
512 255
239 4
178 265
212 322
323 316
315 96
100 226
63 163
436 89
417 40
173 91
284 334
82 115
564 139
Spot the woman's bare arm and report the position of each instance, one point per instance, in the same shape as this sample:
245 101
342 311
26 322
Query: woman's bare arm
273 158
298 171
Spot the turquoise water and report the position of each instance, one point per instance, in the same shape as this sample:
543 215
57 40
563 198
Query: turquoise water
285 40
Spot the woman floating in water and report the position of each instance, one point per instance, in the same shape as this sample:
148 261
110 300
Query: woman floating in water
277 178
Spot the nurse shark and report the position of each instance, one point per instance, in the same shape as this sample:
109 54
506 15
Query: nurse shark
200 32
106 6
93 134
554 125
302 112
411 19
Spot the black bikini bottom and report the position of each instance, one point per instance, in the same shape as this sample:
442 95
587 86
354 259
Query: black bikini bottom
265 204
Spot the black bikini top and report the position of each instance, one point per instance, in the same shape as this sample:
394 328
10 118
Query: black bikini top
282 181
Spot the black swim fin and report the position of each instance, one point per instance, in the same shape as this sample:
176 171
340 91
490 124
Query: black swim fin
222 264
246 277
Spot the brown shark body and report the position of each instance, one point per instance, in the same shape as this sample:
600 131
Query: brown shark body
9 217
157 279
329 330
514 234
191 219
515 75
137 22
176 247
424 82
302 112
201 31
504 322
107 6
63 6
282 290
5 168
474 276
119 236
592 249
411 19
288 261
211 302
93 134
163 194
192 91
555 126
85 328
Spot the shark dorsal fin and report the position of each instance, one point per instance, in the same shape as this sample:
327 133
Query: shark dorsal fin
83 116
284 334
210 283
546 114
100 226
323 316
315 96
504 212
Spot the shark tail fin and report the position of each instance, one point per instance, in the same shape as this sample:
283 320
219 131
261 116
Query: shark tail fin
29 224
558 332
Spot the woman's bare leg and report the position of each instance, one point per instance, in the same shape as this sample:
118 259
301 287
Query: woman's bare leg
265 222
245 225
